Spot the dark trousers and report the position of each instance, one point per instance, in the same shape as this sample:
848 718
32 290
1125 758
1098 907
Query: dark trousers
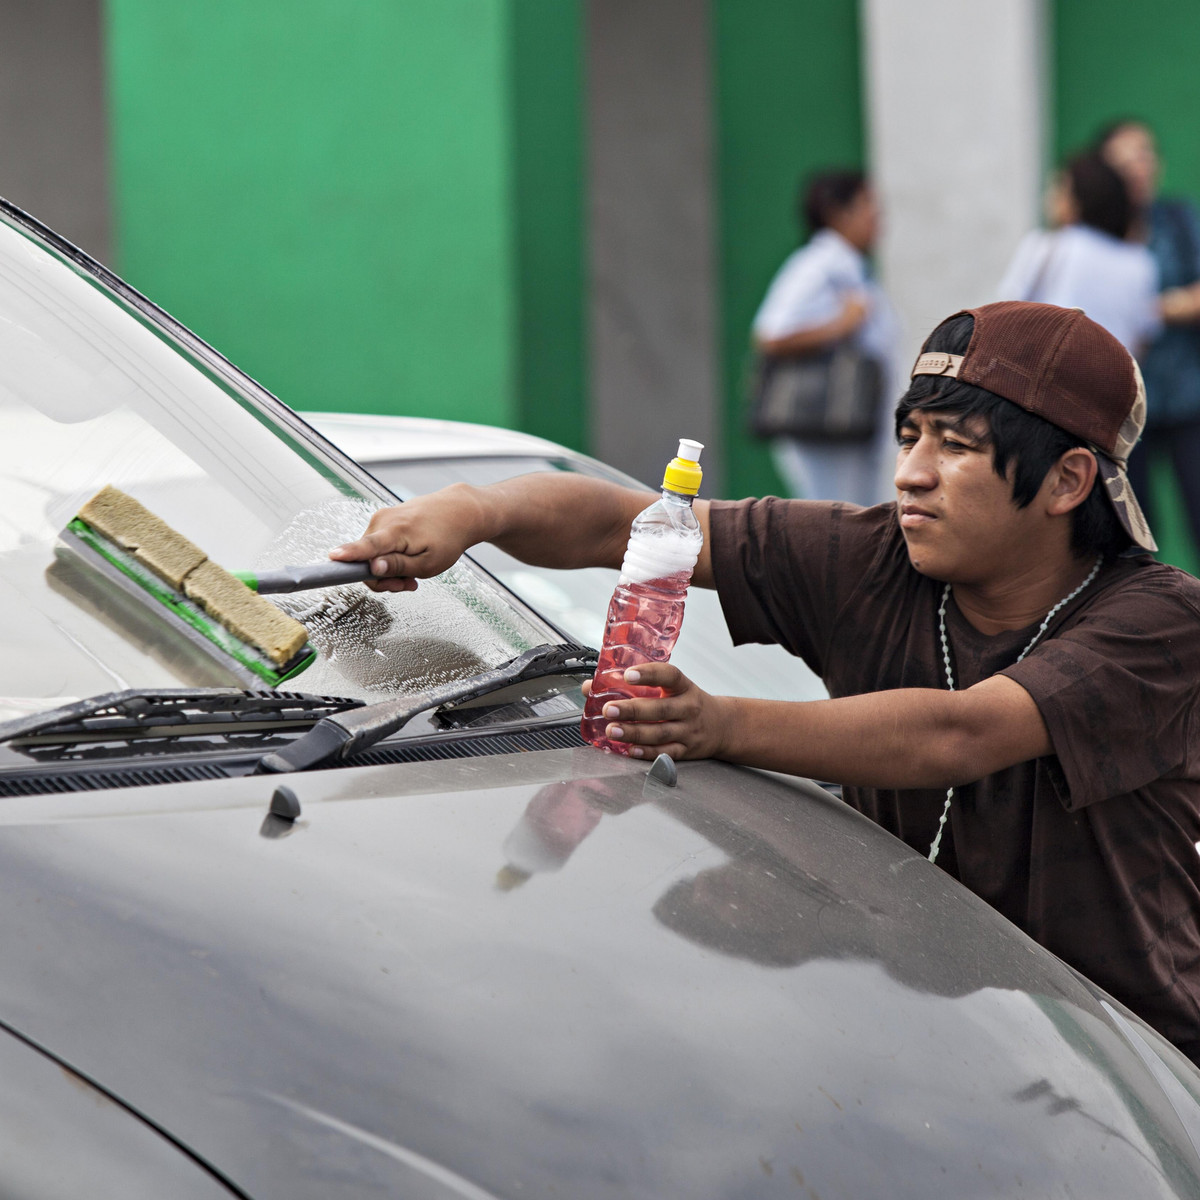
1182 444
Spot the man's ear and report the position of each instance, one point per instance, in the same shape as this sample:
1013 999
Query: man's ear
1069 482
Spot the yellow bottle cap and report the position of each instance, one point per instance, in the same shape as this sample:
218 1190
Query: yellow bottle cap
683 472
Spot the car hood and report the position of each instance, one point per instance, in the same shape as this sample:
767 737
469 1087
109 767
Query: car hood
548 974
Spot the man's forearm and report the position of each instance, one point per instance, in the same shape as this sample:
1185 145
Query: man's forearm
561 519
907 738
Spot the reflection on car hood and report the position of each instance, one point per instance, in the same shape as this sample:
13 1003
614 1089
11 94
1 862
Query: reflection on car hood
546 975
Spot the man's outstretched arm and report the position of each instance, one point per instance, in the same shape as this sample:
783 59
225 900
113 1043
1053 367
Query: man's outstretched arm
905 738
552 519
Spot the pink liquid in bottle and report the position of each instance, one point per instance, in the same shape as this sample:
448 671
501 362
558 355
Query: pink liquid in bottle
643 624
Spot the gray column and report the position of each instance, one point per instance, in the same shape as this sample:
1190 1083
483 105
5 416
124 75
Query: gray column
955 95
53 119
651 232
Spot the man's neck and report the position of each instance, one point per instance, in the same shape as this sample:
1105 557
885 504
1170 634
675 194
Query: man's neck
1021 598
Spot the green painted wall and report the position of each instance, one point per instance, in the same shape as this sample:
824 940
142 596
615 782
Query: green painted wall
788 101
334 194
1110 61
546 71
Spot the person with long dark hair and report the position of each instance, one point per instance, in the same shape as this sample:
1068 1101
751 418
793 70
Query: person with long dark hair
1087 261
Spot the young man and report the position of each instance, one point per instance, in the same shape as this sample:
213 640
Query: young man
999 632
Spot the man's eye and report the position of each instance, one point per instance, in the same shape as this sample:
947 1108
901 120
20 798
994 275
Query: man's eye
954 444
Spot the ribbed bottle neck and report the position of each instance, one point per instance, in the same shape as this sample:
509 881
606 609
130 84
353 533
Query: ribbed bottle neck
679 498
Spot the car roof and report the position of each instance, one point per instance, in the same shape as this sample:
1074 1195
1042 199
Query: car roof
373 438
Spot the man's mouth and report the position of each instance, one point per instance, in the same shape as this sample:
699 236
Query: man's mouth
913 516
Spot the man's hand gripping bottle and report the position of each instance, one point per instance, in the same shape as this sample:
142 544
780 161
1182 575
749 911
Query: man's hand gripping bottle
646 610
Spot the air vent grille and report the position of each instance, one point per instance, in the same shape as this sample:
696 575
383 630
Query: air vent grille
94 781
472 747
89 780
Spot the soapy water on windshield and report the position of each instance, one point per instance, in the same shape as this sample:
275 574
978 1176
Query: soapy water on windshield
372 644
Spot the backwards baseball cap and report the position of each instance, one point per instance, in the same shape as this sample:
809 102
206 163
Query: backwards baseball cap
1060 365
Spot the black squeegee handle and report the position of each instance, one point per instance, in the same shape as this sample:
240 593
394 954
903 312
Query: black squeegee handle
302 579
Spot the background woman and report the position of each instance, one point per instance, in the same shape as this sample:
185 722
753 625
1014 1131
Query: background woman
1087 262
820 296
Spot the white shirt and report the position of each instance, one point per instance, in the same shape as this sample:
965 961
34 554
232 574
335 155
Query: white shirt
812 287
1114 282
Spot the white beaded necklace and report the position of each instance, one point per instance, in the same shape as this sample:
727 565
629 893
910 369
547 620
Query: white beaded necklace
937 841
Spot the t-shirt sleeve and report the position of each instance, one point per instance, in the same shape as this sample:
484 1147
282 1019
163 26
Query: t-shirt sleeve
783 568
1118 693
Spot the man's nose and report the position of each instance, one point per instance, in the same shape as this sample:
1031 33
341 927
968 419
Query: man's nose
916 469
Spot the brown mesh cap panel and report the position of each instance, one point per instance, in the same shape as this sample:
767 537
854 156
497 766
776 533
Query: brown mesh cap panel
1054 362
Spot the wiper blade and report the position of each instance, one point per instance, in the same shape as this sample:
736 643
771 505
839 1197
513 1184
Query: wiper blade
336 737
171 712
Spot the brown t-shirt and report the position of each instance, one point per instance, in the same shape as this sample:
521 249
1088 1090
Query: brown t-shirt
1091 850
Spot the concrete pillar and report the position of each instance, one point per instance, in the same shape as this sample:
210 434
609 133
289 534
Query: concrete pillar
651 233
955 96
53 123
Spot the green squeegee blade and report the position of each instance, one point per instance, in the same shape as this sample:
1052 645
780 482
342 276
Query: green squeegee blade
186 610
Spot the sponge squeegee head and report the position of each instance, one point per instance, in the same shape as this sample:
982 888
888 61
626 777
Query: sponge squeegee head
149 540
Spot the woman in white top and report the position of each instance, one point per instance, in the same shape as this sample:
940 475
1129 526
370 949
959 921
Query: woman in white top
821 295
1087 263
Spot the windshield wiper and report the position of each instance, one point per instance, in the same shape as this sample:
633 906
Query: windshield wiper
171 712
336 737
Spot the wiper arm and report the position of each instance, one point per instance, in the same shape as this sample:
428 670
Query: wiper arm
171 712
336 737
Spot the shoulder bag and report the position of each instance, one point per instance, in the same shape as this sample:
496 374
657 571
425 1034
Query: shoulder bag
831 396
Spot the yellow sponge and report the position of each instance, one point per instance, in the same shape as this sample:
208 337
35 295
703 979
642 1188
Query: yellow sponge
253 618
150 540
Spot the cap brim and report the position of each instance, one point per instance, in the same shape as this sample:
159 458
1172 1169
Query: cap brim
1120 495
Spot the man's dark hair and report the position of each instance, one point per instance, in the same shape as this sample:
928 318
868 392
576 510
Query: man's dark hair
826 193
1027 443
1100 195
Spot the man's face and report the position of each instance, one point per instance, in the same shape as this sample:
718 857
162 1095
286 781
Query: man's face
858 222
958 517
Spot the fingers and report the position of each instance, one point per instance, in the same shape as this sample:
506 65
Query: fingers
378 540
405 584
394 572
661 674
649 741
678 723
661 724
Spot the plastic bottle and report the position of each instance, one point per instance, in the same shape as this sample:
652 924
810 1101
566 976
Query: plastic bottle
646 611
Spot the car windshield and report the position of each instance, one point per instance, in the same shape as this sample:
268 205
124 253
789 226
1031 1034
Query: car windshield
577 600
98 388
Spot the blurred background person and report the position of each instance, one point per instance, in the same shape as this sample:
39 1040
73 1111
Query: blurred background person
1084 260
821 296
1171 362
